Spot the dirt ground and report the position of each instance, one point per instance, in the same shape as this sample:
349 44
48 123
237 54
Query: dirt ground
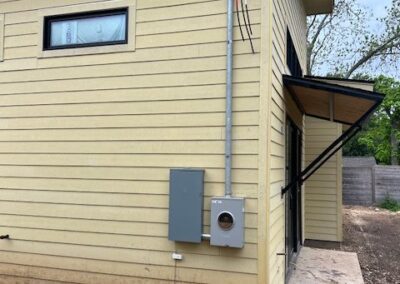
374 234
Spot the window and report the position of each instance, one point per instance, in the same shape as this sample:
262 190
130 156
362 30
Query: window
292 59
87 29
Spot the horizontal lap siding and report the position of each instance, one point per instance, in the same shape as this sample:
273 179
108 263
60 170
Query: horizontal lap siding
323 189
290 14
86 144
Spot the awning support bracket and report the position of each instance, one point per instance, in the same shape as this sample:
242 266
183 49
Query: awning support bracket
330 151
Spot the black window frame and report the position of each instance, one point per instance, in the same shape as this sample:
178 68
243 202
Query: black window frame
48 20
292 59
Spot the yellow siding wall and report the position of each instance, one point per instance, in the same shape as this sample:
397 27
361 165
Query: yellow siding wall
324 189
286 13
86 144
1 37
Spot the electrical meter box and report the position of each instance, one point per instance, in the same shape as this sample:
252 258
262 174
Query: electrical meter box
186 205
227 222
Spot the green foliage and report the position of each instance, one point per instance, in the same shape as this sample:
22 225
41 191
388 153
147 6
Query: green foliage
391 88
374 141
355 149
376 137
390 204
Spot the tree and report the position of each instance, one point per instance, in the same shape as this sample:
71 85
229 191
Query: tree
354 148
390 113
343 44
345 40
381 136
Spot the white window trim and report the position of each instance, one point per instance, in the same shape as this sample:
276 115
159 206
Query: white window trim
1 37
92 7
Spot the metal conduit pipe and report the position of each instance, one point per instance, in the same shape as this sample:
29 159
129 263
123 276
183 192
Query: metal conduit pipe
205 237
229 79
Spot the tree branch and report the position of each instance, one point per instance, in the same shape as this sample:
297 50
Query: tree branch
316 52
311 25
320 28
311 45
372 52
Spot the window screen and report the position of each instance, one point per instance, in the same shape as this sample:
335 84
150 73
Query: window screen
86 29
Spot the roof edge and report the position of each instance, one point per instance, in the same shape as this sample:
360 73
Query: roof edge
315 84
317 7
340 79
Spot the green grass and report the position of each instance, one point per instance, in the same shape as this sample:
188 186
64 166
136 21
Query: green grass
390 204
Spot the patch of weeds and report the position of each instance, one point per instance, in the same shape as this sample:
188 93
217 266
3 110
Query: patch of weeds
390 204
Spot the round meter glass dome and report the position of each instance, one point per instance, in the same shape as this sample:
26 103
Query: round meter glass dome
226 221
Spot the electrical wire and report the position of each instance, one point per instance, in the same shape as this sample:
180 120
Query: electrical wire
248 15
247 27
238 18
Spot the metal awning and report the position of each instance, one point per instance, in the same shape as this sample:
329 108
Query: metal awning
335 102
344 101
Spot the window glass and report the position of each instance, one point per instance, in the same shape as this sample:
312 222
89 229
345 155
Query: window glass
102 29
87 30
292 58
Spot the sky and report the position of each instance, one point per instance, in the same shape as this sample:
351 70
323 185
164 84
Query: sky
377 7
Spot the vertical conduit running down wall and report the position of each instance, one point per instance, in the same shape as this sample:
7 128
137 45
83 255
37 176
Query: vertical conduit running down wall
229 79
228 115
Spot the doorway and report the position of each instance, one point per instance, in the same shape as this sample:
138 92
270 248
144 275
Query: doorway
293 196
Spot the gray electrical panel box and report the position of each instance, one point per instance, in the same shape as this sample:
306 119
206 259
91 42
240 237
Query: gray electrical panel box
186 191
227 222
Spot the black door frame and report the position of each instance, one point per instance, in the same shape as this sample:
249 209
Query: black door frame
293 222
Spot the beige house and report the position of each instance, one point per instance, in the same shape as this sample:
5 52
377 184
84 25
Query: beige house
100 99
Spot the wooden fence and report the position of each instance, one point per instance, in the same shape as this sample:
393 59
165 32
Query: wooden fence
387 182
365 183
